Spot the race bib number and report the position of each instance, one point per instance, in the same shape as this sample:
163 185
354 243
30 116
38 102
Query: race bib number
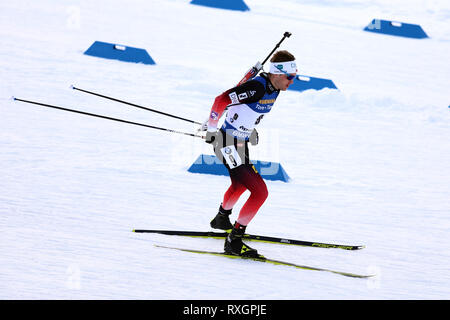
231 156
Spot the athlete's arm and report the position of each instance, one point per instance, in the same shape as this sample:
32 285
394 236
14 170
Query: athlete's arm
250 91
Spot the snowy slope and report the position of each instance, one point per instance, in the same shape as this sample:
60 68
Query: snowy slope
370 163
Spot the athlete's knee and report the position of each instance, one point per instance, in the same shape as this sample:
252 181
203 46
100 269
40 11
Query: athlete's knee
261 193
264 192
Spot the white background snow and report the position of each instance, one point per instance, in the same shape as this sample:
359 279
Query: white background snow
370 163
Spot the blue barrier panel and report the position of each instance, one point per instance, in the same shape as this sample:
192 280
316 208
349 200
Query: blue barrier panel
238 5
119 52
394 28
210 164
302 83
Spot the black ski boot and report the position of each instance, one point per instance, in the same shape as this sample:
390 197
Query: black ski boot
235 246
222 220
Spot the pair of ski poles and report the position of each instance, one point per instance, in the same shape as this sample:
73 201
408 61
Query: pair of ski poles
116 119
249 75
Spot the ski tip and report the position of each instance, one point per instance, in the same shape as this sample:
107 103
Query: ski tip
72 86
12 98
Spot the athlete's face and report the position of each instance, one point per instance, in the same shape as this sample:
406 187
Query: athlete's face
283 81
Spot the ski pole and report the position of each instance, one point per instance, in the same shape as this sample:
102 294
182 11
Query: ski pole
105 117
134 105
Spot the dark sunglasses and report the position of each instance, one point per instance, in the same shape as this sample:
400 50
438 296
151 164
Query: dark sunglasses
290 76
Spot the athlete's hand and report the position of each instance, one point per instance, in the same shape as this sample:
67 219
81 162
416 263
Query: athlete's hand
203 126
254 138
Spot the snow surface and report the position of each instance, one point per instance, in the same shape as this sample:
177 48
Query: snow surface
370 163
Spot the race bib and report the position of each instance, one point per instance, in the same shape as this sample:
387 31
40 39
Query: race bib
231 156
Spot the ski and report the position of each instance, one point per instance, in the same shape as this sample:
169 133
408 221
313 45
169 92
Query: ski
251 237
267 260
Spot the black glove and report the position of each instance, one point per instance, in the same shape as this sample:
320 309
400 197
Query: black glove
254 138
210 137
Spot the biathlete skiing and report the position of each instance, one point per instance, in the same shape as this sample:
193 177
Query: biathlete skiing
246 105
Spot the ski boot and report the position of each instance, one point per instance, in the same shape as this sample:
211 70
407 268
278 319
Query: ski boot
222 220
235 246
